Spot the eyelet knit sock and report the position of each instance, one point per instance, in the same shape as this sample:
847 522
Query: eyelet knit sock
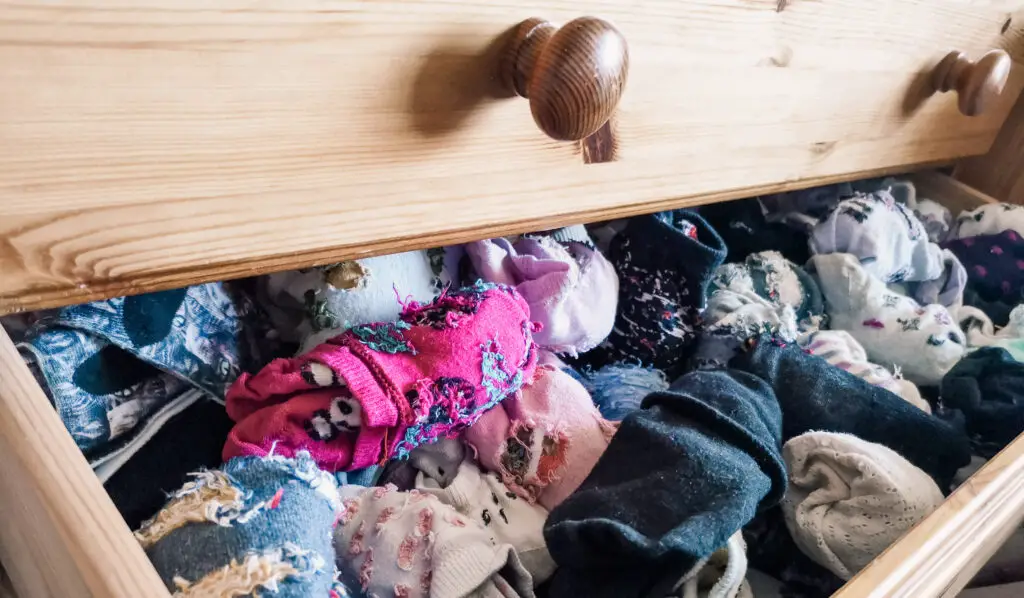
510 519
380 390
897 332
392 543
774 279
260 526
990 219
840 349
543 441
995 272
988 387
664 262
817 396
571 288
849 499
637 523
891 245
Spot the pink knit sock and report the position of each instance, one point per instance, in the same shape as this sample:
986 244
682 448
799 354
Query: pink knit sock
379 390
545 440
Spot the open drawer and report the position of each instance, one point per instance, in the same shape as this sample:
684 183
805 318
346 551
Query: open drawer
155 144
63 536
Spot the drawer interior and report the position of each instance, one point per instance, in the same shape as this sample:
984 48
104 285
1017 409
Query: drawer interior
62 519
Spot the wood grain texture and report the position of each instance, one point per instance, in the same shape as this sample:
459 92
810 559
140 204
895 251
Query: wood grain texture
977 83
940 555
574 76
156 143
61 536
1000 172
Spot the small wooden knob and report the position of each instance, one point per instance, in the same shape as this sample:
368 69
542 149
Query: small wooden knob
977 84
573 76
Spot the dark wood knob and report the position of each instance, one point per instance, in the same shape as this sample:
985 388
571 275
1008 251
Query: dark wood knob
977 84
573 76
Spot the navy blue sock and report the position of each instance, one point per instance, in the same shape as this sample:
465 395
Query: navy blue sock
988 387
681 476
663 279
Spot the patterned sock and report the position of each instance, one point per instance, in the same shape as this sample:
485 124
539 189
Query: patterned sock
897 332
380 390
663 279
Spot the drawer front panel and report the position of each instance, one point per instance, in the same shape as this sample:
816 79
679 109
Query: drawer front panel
156 143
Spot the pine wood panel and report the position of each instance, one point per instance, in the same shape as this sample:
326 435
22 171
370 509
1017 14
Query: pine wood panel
61 536
156 143
1000 172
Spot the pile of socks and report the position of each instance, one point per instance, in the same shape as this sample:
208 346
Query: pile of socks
703 403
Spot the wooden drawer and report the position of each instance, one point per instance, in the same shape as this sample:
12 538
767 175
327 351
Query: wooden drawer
156 143
63 537
153 144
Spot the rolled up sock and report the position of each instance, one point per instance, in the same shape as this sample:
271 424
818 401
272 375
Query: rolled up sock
816 396
543 441
849 499
891 245
776 280
571 288
380 390
664 262
840 349
511 520
638 524
618 389
258 526
922 341
995 272
988 387
990 219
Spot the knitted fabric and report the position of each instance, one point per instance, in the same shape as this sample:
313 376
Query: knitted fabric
891 244
313 305
543 441
618 390
664 262
990 219
936 219
572 290
392 543
510 519
111 366
840 349
438 460
260 526
680 477
988 387
922 341
816 396
849 499
380 390
980 331
995 267
774 279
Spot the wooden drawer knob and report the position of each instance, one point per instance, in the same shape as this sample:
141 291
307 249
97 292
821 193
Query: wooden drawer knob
573 76
977 84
